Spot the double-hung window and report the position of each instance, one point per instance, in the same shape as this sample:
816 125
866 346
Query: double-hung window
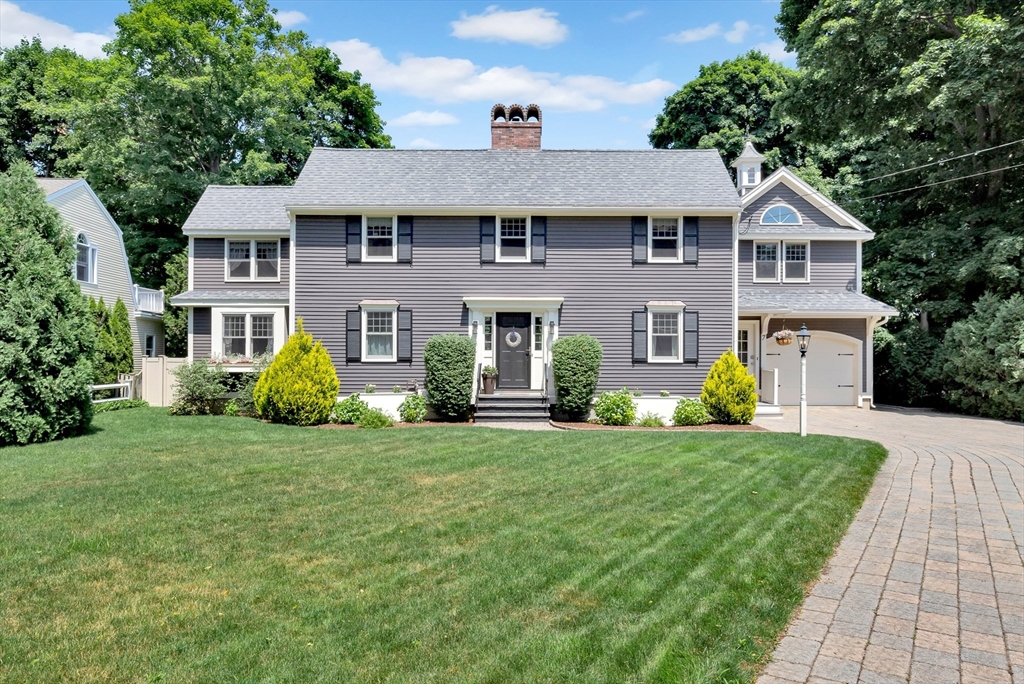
234 335
379 334
85 260
796 262
785 261
247 335
379 238
514 239
253 260
665 336
664 239
766 262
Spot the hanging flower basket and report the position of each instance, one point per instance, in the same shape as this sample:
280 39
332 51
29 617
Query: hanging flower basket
783 337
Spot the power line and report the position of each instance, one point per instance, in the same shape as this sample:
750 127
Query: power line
941 161
942 182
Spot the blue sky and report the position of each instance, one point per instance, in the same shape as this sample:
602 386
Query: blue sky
599 70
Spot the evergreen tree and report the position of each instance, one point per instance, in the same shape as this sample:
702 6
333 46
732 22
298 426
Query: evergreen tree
176 317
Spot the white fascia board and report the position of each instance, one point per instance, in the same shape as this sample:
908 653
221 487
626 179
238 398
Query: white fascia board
150 315
277 301
498 302
470 210
238 233
801 187
815 314
854 236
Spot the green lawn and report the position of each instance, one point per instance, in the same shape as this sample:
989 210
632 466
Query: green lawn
225 550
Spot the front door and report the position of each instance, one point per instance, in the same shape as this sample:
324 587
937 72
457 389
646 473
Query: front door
513 350
746 345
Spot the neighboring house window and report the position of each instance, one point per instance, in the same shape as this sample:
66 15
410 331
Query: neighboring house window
234 335
150 350
379 238
766 262
665 337
538 333
262 334
85 260
488 332
379 334
253 259
514 240
781 214
664 239
796 262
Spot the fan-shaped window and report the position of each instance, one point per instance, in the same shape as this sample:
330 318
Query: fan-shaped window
781 214
85 260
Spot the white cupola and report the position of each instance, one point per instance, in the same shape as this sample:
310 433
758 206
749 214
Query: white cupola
748 168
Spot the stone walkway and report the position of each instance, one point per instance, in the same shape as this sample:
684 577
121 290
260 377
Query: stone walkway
928 583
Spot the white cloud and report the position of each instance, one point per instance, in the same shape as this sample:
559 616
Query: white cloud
443 79
635 14
536 26
738 33
16 24
696 34
424 144
421 118
291 18
776 50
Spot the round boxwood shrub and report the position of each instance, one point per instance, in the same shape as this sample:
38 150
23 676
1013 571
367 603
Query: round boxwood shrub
616 408
690 412
449 360
349 410
730 392
374 419
413 409
576 362
300 386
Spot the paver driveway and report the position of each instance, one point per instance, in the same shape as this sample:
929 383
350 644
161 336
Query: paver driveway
928 583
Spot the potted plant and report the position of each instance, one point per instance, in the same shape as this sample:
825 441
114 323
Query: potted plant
490 378
783 337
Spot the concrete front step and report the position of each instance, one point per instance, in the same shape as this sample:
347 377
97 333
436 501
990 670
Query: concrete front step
512 417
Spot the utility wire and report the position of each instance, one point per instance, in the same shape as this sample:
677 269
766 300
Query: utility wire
942 182
941 161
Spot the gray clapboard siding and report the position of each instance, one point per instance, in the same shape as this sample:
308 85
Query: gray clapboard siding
782 193
208 268
833 266
851 327
595 275
113 280
202 333
148 326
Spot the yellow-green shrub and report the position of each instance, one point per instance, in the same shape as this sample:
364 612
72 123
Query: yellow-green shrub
730 392
300 386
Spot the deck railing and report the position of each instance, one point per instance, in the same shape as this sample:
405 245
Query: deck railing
148 300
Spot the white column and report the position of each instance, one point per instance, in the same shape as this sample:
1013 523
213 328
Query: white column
803 395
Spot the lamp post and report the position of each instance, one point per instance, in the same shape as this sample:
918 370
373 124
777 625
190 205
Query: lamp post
803 338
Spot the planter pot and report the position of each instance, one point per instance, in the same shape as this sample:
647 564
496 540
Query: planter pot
784 341
490 382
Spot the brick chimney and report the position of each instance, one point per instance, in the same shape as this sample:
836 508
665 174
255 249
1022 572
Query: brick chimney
515 127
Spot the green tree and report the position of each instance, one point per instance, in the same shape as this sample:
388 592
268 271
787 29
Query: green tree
176 317
114 344
46 341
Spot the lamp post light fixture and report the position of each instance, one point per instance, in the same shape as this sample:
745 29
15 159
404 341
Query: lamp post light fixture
803 338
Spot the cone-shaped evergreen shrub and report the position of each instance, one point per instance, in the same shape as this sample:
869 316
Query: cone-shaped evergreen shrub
46 338
730 392
114 345
449 360
300 386
576 362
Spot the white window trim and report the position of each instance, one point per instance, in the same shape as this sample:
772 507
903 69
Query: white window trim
652 309
799 216
93 251
678 259
778 260
393 309
497 241
252 260
217 328
394 240
782 261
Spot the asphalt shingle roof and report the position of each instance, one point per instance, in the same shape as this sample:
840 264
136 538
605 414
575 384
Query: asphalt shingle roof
238 207
508 178
756 229
52 185
799 300
191 296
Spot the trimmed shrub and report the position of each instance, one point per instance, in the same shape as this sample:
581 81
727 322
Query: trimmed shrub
231 408
109 406
247 383
46 340
730 391
650 419
576 362
616 408
983 359
690 412
449 360
413 409
374 419
299 387
349 410
199 386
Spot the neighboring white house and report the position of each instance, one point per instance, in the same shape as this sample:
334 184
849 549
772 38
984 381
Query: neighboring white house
101 266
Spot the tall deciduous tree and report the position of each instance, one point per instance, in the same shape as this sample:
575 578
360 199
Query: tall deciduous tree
176 317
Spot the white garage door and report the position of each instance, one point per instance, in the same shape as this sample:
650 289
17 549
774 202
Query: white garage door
833 369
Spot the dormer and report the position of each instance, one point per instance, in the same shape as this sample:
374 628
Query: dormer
748 168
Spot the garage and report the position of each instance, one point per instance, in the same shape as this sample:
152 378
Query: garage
833 369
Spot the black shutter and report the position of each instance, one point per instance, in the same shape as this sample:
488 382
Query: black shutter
640 336
538 239
405 239
486 239
353 335
639 239
353 239
691 232
691 335
405 334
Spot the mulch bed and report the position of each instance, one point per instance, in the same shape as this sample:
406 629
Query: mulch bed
426 423
710 427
